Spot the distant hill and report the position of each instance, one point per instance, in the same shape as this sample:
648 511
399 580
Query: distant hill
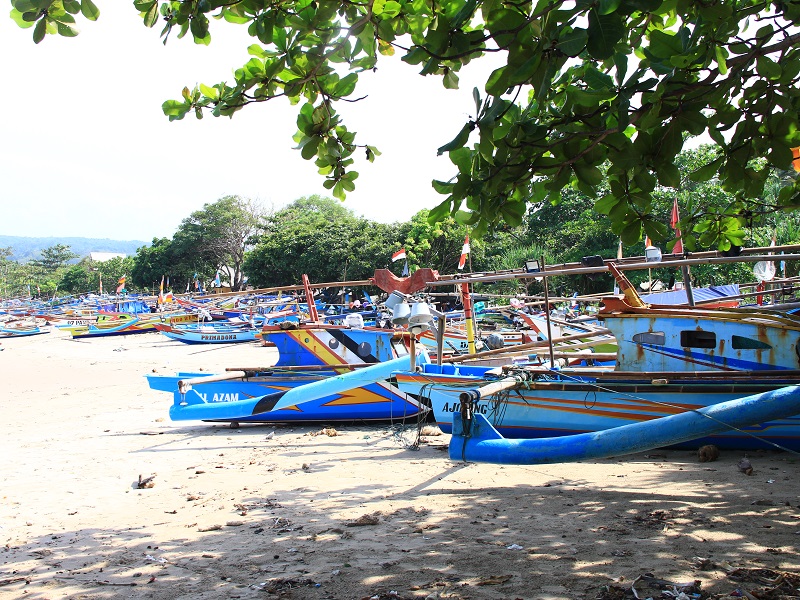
29 248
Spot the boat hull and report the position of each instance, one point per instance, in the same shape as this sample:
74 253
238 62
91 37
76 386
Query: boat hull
243 400
561 407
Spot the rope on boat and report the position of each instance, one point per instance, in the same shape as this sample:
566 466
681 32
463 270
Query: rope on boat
682 408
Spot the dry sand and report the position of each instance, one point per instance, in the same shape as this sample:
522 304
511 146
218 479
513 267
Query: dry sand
277 511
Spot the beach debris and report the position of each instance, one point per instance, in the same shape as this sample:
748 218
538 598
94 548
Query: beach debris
669 589
703 564
281 586
11 580
282 525
152 558
41 553
514 547
430 430
708 453
778 584
745 466
494 580
209 528
367 519
329 431
241 508
306 467
234 523
146 482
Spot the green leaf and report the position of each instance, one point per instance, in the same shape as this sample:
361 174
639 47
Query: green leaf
605 204
498 82
606 7
721 55
572 41
708 171
450 80
668 175
604 33
442 187
89 10
439 212
66 29
40 30
346 85
631 233
458 141
768 68
664 45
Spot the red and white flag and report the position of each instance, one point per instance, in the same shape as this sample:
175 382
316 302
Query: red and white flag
678 248
464 251
399 254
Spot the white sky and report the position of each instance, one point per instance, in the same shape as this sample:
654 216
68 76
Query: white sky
86 150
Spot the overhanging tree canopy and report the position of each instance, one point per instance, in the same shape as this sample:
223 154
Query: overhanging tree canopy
589 91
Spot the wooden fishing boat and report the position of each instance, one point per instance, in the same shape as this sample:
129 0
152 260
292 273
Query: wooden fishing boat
669 360
217 332
309 354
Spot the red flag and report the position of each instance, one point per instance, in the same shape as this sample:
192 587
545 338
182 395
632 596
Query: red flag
647 242
678 248
399 254
464 251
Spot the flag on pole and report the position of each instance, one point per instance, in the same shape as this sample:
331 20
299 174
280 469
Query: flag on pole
121 283
464 251
619 250
161 292
168 297
678 248
647 242
101 284
405 272
217 281
399 254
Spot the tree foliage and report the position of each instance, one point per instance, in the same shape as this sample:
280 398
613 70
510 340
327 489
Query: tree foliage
321 238
54 258
580 84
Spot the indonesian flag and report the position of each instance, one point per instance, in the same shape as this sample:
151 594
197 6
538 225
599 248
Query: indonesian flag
678 249
464 251
399 254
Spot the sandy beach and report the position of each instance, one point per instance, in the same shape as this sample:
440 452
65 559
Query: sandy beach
347 511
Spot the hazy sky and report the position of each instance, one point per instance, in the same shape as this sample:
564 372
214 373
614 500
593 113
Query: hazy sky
86 150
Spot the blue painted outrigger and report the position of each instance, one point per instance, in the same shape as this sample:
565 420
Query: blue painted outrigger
475 439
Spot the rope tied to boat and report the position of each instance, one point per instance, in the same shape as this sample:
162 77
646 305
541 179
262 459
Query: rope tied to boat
682 408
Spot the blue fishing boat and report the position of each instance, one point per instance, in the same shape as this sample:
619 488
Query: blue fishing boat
670 360
216 332
309 355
